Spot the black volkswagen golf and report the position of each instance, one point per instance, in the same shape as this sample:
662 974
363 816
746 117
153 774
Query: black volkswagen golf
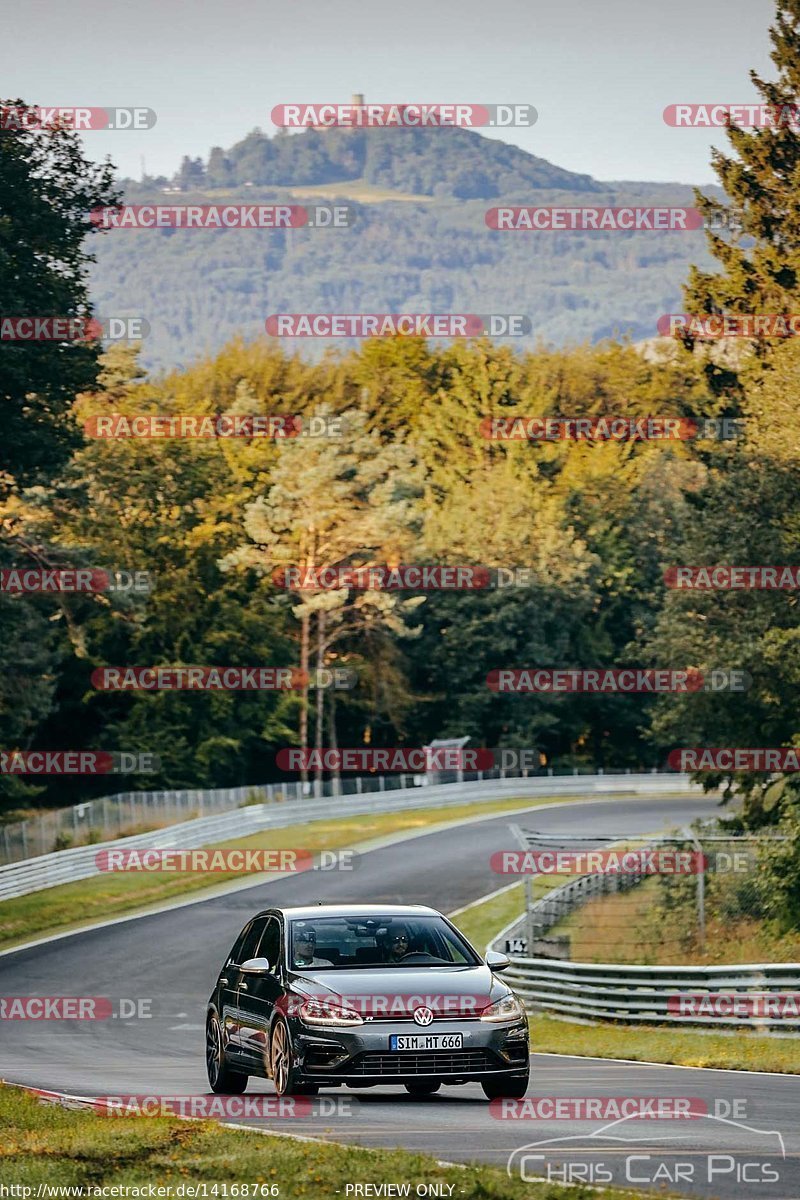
362 995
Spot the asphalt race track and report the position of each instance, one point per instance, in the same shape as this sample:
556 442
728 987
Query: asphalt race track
171 958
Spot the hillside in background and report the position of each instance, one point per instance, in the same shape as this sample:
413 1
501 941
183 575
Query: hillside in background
429 162
419 244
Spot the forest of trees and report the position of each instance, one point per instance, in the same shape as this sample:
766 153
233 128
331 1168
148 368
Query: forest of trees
418 243
411 479
197 291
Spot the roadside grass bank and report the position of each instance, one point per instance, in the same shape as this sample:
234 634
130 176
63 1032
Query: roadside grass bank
636 927
73 905
47 1144
741 1050
482 921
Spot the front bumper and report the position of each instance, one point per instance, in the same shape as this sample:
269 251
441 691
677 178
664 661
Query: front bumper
361 1054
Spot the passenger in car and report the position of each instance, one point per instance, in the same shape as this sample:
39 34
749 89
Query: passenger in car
305 945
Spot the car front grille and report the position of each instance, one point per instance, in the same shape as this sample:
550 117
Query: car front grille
429 1062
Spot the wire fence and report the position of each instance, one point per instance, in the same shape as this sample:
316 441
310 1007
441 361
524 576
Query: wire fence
643 946
128 813
699 895
82 862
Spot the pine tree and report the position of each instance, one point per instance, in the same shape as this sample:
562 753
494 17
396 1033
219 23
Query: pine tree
761 182
47 188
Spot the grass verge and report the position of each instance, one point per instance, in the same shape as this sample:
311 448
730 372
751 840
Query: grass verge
480 922
48 1144
642 926
742 1051
72 905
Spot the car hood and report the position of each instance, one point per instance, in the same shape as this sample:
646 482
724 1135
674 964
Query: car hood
395 992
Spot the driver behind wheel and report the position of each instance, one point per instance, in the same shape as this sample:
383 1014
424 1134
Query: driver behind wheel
397 945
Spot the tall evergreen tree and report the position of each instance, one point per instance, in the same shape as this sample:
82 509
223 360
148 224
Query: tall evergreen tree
47 190
762 182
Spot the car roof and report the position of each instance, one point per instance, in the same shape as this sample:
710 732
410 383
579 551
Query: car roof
309 911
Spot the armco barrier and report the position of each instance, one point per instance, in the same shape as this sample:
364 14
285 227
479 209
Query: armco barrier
631 994
639 994
67 866
126 813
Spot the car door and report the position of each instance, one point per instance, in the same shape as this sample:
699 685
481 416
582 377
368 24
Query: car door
226 985
258 995
245 947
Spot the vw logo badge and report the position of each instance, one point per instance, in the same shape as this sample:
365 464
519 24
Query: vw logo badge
423 1016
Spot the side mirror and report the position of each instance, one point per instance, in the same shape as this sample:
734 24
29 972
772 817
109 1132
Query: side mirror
497 962
256 966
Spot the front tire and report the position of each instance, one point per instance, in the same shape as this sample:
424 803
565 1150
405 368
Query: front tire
423 1087
221 1078
508 1088
284 1077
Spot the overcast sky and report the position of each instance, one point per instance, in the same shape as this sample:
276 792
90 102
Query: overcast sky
600 72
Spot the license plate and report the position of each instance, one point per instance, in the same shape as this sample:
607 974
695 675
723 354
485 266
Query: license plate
426 1041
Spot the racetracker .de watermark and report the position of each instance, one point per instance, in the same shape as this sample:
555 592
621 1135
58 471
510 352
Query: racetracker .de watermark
367 325
734 758
407 115
515 428
403 577
384 758
218 425
78 762
734 579
567 218
211 1107
73 329
649 860
399 578
318 1010
221 679
755 1005
612 1108
27 118
608 681
223 216
20 580
739 116
712 326
74 1008
230 860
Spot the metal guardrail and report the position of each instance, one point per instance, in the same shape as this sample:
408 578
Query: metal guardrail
652 995
68 866
126 813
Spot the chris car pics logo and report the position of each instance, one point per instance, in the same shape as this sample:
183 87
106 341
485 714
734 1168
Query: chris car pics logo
631 1152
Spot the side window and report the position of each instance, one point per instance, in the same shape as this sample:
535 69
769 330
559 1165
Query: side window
235 956
270 947
249 943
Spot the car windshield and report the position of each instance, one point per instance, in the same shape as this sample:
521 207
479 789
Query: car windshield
345 943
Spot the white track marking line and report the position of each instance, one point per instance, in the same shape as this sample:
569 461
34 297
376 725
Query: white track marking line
645 1062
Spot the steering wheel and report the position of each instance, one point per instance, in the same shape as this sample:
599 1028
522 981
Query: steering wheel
420 956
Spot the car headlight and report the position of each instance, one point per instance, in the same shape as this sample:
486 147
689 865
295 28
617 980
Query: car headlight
325 1012
509 1008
